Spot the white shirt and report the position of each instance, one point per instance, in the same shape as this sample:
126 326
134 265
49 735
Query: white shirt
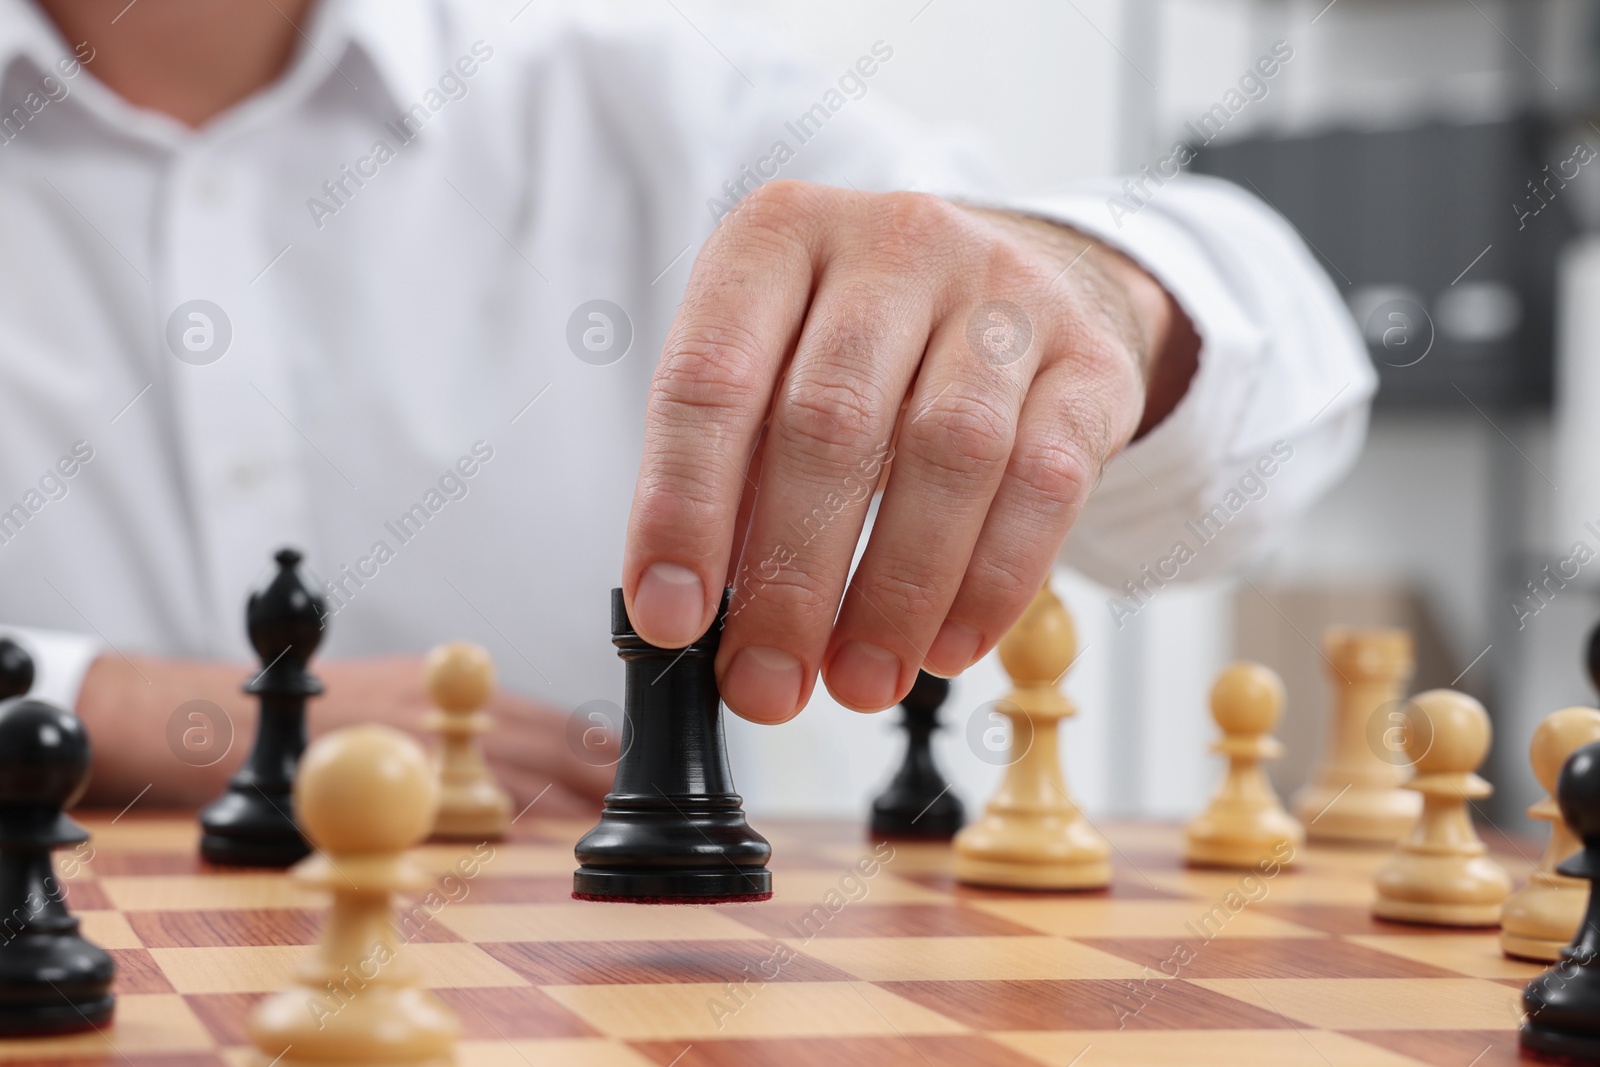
396 242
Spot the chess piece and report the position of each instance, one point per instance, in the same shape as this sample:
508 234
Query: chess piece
252 824
1245 824
1031 835
472 806
16 669
1355 794
1562 1006
673 830
364 795
1538 921
1441 874
918 803
52 981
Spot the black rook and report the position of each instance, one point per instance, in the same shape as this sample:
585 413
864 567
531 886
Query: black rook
673 830
252 824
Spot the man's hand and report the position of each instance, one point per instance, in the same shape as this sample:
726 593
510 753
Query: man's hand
127 706
980 367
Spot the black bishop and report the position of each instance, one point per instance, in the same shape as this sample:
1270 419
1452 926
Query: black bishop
252 824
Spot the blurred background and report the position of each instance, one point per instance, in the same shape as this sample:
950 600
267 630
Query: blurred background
1437 156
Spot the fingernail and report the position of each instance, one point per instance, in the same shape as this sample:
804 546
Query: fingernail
762 683
865 675
953 650
668 604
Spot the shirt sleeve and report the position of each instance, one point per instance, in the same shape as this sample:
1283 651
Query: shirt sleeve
1275 414
60 661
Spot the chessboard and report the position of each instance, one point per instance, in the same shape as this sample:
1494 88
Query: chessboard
868 953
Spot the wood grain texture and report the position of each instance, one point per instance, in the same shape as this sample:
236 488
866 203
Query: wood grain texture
907 968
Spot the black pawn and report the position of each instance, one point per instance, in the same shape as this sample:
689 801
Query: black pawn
1562 1005
673 830
252 824
918 803
16 669
52 981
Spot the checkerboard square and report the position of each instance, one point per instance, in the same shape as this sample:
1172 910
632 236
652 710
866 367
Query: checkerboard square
1378 1003
778 1009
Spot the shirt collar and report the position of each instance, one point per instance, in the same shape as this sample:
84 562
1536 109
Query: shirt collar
25 32
394 37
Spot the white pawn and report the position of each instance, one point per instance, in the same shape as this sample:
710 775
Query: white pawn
1245 825
364 795
472 806
1440 873
1031 835
1541 917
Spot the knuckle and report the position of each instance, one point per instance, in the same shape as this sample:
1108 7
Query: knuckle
1057 471
854 329
706 370
784 206
922 213
677 500
789 594
1105 354
1001 584
911 589
958 435
912 226
1102 351
832 420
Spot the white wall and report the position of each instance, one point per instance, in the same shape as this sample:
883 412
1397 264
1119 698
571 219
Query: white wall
1031 79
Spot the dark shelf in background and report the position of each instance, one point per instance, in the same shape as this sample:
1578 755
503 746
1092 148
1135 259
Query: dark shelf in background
1401 214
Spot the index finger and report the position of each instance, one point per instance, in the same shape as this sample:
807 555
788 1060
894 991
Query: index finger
741 315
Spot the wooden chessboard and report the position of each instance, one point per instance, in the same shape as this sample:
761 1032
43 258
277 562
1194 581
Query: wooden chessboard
899 966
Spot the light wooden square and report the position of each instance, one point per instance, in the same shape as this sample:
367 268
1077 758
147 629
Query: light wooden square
810 887
1201 1048
1380 1003
1102 917
590 921
567 1052
908 858
108 929
144 1023
777 1009
1288 887
138 835
266 968
1342 861
1476 954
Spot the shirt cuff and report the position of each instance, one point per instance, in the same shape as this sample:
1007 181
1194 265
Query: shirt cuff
1282 374
60 661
